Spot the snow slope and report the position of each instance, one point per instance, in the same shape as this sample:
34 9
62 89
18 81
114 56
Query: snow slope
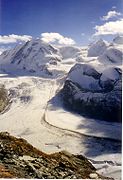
28 116
42 121
32 56
97 48
112 56
118 39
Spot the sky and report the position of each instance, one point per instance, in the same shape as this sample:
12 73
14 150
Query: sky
62 21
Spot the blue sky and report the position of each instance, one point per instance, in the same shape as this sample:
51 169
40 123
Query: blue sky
71 18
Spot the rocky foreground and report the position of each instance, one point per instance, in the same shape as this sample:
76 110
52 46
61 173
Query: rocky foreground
19 159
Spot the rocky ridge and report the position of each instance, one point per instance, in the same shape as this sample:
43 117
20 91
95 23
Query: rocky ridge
32 56
19 159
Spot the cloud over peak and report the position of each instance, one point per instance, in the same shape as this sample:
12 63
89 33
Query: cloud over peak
56 38
14 38
45 37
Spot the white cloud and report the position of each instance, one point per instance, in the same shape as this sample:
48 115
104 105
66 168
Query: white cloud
110 15
56 38
110 28
14 38
114 7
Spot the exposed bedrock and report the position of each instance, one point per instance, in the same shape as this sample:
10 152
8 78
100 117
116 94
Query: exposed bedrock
93 94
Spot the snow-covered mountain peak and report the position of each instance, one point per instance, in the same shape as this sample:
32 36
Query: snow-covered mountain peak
99 42
111 55
37 44
31 56
97 48
118 39
84 75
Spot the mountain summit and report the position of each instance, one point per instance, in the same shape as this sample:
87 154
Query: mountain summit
31 56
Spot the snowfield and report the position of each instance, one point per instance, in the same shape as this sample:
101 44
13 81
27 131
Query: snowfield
37 115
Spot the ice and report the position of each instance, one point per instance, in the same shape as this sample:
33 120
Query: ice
41 118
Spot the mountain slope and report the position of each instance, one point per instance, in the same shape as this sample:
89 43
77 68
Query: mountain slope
97 48
111 56
31 94
93 94
118 40
4 100
19 159
32 56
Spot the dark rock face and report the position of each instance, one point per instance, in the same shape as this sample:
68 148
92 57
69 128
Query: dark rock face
102 103
4 99
19 159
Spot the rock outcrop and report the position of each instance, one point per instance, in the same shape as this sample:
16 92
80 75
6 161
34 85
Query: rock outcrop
93 94
4 100
19 159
